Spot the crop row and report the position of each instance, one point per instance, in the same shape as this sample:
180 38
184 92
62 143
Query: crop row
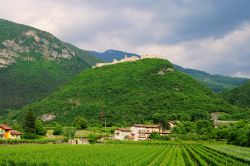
116 154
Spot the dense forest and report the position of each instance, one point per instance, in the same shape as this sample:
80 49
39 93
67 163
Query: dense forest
131 92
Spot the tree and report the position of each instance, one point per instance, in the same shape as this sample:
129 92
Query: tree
57 130
80 123
40 130
29 122
69 132
204 127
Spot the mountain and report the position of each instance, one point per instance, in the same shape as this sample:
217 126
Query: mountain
130 92
33 63
239 96
110 55
215 82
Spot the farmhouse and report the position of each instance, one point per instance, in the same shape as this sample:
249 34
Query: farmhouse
139 132
6 132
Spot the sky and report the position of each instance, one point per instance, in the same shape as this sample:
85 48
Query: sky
209 35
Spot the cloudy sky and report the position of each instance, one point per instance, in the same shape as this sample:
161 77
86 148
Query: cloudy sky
210 35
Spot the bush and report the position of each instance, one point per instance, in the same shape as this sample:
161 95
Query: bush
39 129
29 136
92 138
80 123
69 132
57 130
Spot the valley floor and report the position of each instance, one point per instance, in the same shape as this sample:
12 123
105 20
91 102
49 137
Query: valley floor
113 153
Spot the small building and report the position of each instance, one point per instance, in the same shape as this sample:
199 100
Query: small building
6 132
123 133
139 132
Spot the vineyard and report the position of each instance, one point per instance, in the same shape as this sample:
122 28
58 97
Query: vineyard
176 154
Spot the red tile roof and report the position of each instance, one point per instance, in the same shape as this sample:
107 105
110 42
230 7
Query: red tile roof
5 127
14 132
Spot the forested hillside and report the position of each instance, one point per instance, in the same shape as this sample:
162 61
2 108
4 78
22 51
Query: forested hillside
33 63
131 92
239 96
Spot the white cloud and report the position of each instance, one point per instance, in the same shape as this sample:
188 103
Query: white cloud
227 55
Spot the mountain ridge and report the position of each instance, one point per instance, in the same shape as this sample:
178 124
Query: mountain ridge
33 63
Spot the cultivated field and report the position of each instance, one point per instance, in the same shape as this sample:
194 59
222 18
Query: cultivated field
175 154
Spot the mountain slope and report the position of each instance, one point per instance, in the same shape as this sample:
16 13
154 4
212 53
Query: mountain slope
215 82
130 92
33 63
239 96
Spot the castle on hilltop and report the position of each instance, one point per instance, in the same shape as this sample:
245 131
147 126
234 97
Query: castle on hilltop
126 59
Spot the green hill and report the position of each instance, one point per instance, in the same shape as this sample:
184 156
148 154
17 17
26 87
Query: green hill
33 63
239 96
130 92
217 83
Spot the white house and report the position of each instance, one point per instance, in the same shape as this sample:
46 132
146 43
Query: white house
123 133
139 132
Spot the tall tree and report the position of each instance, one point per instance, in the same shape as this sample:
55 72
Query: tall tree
80 123
40 130
29 122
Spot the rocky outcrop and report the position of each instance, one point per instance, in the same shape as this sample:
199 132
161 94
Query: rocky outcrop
32 41
48 117
7 57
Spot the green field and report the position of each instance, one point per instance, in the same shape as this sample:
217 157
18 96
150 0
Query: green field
123 154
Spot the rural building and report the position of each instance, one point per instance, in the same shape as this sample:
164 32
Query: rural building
139 132
6 132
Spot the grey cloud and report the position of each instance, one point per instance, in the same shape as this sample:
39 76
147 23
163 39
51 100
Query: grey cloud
176 29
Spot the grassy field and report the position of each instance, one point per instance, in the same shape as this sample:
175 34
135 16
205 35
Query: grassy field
123 154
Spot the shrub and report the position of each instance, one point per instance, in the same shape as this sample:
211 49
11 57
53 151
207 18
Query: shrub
80 123
29 136
57 130
69 132
39 129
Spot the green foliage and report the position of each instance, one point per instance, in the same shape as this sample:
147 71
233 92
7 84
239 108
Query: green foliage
29 122
80 123
217 83
201 127
239 96
239 134
39 129
92 138
236 134
27 141
69 132
30 136
131 92
28 81
10 30
57 130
